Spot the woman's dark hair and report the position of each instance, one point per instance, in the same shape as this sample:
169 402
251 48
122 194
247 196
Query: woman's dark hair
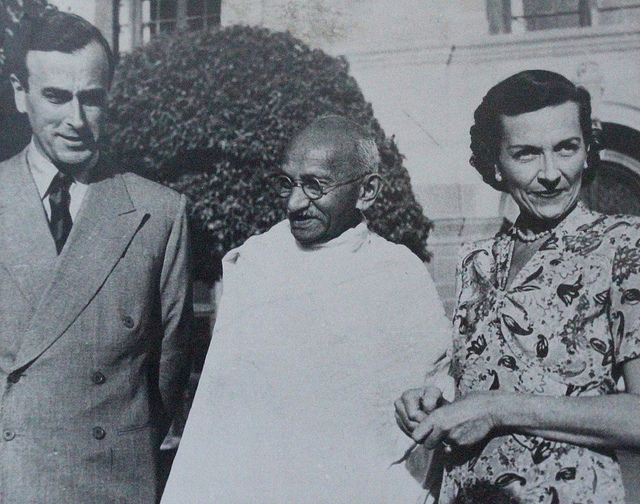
53 31
524 92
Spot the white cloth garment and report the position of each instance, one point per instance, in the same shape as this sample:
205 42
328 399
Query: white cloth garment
310 349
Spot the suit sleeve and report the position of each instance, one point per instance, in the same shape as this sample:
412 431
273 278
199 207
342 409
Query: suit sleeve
177 313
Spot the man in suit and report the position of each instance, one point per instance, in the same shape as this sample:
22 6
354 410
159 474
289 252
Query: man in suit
95 301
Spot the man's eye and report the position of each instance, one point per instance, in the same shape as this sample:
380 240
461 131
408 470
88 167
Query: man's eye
283 182
95 98
57 97
313 185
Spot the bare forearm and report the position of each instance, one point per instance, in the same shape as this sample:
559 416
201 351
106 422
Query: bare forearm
566 437
608 420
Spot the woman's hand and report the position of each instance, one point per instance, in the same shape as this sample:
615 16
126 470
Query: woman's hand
415 405
427 418
464 422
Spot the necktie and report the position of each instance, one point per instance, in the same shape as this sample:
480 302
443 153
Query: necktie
59 199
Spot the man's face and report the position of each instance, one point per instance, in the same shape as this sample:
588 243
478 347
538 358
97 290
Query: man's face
318 221
65 103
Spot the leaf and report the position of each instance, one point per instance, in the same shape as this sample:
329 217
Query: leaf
542 347
602 298
598 345
534 275
508 478
631 296
508 361
526 288
514 327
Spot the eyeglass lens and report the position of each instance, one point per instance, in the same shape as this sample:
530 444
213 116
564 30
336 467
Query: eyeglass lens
284 187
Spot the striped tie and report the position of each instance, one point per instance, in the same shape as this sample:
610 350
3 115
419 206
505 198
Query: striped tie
59 199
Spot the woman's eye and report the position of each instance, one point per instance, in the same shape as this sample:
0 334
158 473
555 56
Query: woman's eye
567 149
524 155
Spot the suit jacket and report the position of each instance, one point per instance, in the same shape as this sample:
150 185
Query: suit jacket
93 343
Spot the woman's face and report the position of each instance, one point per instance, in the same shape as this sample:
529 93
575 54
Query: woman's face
542 157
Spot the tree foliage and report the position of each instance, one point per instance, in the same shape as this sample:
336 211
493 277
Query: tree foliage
15 131
11 12
209 113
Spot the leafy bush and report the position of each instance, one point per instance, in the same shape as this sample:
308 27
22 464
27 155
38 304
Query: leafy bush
15 132
11 12
209 113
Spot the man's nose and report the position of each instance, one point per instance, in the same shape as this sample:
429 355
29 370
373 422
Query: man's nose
75 116
298 200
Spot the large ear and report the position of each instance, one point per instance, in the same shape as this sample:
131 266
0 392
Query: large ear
19 94
369 190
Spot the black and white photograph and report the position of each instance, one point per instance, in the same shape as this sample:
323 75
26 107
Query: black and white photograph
320 251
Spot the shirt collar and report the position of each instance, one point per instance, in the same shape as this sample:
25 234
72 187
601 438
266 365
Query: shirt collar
43 170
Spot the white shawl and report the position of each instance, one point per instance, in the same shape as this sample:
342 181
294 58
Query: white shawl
310 349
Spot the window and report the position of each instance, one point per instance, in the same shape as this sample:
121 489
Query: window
159 16
547 14
507 16
202 14
141 20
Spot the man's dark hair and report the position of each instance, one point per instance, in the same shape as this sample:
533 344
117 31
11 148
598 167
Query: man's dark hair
527 91
53 31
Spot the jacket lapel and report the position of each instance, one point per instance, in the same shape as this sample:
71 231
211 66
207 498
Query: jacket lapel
104 227
28 251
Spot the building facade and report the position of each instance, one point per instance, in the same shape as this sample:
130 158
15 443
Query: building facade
132 23
425 66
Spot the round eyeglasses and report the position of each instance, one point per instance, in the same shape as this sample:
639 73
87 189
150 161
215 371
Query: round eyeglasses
311 187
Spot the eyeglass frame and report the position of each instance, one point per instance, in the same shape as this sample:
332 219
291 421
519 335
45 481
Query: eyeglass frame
324 189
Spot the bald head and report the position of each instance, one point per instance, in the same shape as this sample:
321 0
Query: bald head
339 159
351 150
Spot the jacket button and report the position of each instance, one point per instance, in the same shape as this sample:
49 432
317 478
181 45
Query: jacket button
98 378
13 378
128 322
99 433
8 435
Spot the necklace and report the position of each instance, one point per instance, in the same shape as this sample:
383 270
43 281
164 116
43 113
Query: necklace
528 238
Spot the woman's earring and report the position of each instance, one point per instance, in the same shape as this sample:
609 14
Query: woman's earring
497 175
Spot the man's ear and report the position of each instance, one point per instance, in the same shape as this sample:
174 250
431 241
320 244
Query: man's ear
19 94
369 190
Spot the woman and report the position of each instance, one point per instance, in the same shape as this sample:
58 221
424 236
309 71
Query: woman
547 318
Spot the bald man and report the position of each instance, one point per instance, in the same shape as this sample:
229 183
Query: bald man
322 322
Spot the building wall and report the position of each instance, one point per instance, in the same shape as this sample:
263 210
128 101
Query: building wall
99 12
425 66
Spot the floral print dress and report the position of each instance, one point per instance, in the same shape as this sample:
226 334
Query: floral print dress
561 328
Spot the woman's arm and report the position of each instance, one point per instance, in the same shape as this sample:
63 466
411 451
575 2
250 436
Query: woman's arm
607 420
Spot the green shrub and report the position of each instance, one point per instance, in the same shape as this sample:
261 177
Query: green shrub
15 132
209 113
11 12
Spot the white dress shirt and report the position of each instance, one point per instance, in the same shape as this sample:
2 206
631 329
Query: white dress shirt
43 170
